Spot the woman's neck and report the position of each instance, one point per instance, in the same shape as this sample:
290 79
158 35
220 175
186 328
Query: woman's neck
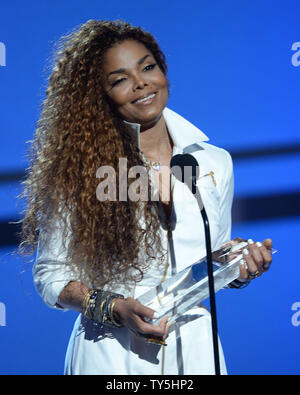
154 138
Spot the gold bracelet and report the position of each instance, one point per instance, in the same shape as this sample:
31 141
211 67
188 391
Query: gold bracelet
101 310
85 301
111 313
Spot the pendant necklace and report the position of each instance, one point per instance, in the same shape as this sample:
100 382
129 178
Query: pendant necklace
156 164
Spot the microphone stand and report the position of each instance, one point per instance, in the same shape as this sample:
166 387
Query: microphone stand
211 285
178 165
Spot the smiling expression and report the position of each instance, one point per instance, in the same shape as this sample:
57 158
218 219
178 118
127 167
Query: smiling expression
135 85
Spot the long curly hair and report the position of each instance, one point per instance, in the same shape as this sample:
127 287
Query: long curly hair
76 134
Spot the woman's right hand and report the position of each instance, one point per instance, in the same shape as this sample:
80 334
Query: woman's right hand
133 315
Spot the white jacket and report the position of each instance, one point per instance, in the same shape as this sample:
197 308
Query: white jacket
98 350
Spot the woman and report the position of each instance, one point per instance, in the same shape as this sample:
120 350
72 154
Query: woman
106 100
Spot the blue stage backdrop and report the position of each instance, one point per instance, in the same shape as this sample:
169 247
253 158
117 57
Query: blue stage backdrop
234 68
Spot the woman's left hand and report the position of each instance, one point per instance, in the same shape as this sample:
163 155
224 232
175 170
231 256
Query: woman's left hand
257 259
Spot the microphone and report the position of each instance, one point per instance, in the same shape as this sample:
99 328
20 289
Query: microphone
185 168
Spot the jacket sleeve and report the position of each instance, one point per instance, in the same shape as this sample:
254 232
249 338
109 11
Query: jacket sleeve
226 199
50 272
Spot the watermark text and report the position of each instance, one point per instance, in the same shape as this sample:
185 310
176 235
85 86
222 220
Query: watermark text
137 184
2 54
296 316
2 314
296 56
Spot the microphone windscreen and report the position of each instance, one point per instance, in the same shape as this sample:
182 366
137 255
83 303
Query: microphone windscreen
184 166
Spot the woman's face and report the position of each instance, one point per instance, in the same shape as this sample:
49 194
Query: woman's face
136 86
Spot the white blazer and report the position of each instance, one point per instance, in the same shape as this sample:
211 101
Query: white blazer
98 350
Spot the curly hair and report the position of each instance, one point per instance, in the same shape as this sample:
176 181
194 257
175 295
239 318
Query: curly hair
76 134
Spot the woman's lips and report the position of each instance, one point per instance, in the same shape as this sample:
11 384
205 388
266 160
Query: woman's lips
146 100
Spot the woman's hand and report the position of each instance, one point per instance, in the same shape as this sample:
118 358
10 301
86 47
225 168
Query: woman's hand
133 314
257 259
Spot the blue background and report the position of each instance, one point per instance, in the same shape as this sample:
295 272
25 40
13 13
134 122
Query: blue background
231 72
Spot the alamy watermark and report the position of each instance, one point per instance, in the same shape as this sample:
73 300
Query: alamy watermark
116 186
2 314
2 54
296 56
296 316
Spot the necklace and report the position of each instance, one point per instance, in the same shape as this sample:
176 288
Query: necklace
156 164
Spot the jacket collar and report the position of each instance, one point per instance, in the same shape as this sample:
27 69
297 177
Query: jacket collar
183 133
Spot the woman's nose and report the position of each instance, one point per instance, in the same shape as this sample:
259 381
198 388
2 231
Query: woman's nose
139 82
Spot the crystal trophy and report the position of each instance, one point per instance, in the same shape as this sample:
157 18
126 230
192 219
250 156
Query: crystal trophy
189 288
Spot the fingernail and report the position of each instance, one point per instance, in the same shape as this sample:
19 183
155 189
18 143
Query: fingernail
250 241
266 266
259 244
246 252
243 263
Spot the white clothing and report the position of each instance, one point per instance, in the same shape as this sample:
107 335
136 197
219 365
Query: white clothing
95 349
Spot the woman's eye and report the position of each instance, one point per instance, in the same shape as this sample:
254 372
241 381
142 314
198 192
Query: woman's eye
117 82
150 67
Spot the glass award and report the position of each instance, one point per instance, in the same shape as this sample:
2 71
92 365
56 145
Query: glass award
189 288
